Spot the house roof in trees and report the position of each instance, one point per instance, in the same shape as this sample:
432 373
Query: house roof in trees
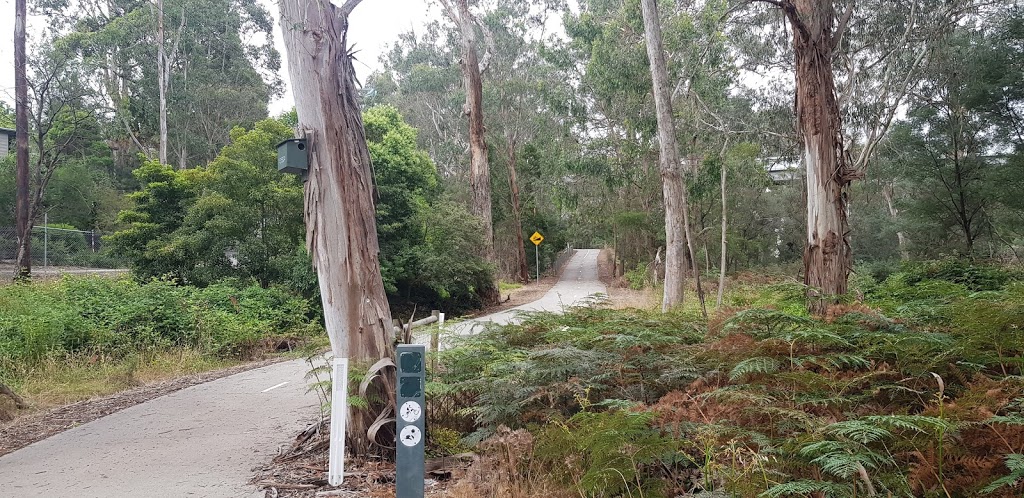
7 131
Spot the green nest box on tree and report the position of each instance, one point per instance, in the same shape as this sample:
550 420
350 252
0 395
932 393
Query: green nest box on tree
292 157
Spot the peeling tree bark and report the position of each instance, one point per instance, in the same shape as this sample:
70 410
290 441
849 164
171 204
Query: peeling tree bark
827 255
341 231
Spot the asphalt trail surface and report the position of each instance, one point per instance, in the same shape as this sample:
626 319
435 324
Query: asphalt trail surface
579 281
201 441
204 440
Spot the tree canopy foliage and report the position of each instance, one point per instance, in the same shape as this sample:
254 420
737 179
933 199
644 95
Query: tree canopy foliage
237 217
929 95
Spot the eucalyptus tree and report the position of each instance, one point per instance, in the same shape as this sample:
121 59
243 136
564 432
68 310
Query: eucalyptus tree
459 13
604 57
827 255
211 75
523 98
677 216
341 229
421 77
956 155
521 111
852 60
164 62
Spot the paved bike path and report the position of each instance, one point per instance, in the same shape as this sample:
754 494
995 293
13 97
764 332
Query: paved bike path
204 440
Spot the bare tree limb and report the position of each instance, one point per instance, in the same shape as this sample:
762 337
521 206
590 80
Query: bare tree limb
790 10
485 60
837 35
347 8
449 11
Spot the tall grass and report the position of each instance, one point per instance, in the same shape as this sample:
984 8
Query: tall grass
104 319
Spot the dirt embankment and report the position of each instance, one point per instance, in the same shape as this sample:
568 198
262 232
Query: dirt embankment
620 296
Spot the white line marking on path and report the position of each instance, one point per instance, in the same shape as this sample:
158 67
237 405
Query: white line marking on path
273 387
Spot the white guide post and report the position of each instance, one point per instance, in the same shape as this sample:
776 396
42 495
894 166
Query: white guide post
46 240
339 412
435 343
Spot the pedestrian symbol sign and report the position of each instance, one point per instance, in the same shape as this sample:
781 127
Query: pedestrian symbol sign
536 238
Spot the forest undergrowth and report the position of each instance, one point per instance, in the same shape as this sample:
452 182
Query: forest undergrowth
912 388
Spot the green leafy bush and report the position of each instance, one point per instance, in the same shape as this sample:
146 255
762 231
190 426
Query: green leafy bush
637 277
116 317
238 217
973 276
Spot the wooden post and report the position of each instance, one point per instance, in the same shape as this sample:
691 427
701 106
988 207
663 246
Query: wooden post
396 325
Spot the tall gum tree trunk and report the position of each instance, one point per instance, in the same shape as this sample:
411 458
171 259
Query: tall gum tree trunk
24 223
673 187
341 230
901 238
721 263
827 255
479 170
161 61
517 215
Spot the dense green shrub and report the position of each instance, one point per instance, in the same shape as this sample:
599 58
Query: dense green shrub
238 217
115 317
638 276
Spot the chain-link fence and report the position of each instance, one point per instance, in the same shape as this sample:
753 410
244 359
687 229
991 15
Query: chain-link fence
58 250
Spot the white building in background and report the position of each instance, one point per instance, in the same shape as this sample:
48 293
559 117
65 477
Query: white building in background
782 169
6 142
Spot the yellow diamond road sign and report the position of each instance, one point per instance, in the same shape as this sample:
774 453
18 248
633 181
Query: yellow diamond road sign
536 238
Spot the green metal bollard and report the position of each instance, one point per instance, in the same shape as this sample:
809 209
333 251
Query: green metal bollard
411 421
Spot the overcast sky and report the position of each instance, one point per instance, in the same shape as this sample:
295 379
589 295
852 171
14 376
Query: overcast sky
374 25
